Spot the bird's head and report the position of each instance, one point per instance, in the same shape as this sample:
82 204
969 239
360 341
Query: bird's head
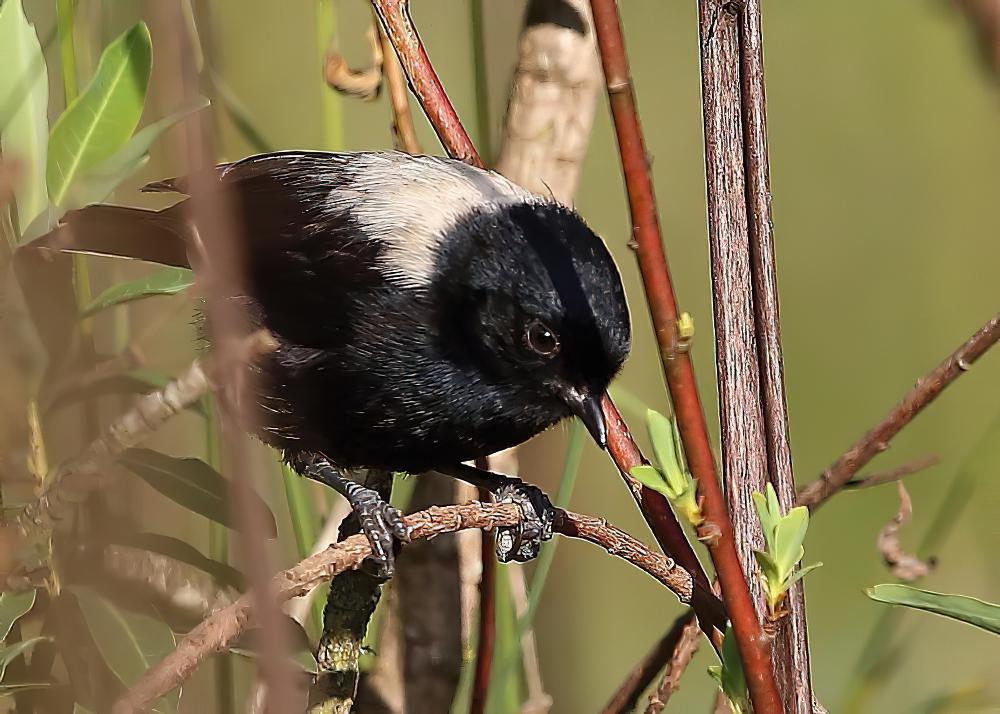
534 299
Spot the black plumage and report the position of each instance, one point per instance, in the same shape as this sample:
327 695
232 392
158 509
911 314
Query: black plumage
426 312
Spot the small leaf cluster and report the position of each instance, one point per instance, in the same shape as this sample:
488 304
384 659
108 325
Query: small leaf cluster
670 476
783 537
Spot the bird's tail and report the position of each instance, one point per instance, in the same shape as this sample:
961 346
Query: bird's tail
152 236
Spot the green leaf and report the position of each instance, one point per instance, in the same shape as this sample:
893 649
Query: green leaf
774 582
183 552
12 607
100 121
192 484
788 538
767 523
97 184
985 615
80 709
24 98
800 573
129 642
135 381
11 652
168 281
772 502
730 675
650 477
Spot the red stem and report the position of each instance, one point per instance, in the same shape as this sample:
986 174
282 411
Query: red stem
423 80
677 365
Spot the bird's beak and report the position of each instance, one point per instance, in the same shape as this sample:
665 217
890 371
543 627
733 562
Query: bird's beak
588 408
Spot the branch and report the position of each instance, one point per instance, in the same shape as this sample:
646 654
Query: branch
683 652
890 475
641 676
677 365
215 633
877 440
395 18
791 655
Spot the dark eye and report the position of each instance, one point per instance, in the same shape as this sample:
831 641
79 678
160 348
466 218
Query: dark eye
540 339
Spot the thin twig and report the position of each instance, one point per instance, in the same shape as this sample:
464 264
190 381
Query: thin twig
879 478
395 18
923 393
676 362
403 130
639 678
216 632
683 652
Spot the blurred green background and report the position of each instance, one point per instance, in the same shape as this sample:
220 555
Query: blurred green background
885 163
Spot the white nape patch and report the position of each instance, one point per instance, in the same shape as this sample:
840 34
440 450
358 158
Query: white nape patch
409 203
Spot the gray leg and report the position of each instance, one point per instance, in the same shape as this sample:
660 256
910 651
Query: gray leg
379 521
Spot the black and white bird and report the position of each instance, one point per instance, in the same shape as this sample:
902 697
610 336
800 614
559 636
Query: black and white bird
426 313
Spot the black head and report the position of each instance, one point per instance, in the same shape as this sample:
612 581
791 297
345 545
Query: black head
535 300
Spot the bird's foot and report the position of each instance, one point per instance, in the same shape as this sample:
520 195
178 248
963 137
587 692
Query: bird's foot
522 541
380 522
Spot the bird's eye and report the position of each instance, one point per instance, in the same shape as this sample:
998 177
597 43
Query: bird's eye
540 339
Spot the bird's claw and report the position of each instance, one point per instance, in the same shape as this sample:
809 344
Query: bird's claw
522 541
380 523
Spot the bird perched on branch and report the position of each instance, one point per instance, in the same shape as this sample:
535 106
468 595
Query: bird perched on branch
425 313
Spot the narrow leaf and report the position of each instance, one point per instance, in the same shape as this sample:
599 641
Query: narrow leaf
190 483
183 552
101 120
96 185
168 281
11 652
24 97
767 524
129 642
973 611
650 477
788 538
801 573
12 607
661 435
772 502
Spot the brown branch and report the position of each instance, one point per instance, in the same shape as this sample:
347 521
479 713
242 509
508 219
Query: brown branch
891 475
395 18
403 132
676 362
642 674
423 81
215 633
791 655
923 393
683 652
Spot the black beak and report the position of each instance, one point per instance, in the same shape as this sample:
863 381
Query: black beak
588 408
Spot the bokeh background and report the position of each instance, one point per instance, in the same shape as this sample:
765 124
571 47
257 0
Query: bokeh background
885 164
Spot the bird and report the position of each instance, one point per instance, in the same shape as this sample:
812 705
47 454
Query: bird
425 313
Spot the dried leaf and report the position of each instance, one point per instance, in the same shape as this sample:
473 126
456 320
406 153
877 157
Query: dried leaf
901 564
